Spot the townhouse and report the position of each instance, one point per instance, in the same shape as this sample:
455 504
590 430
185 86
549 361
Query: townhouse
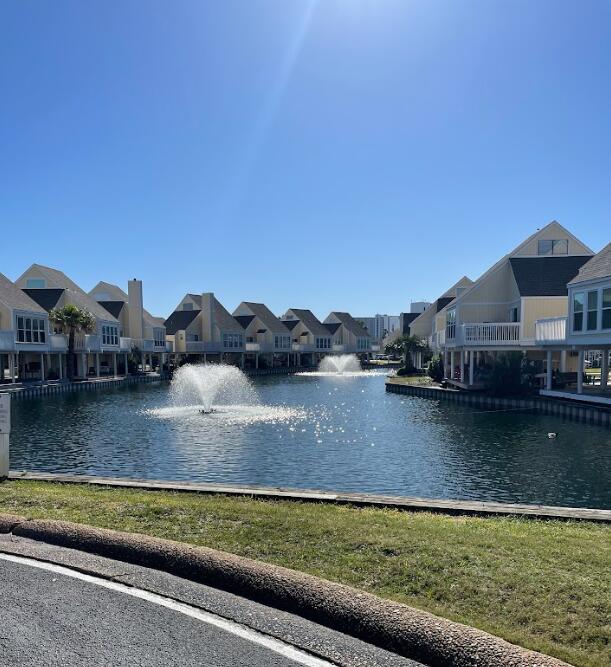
28 350
201 329
498 312
586 326
146 333
348 335
268 339
97 353
311 340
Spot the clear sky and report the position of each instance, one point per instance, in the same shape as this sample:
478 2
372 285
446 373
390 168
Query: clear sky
330 154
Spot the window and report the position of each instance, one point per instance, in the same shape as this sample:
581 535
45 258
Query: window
451 324
31 330
232 340
281 342
187 306
553 247
192 337
592 322
513 314
578 303
159 337
323 343
35 283
606 304
110 334
362 343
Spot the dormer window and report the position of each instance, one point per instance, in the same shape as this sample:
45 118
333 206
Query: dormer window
187 306
35 283
553 247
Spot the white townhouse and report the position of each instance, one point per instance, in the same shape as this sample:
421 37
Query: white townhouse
268 339
311 340
498 312
201 328
98 353
348 336
586 326
28 350
146 333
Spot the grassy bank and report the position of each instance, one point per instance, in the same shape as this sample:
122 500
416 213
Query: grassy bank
543 584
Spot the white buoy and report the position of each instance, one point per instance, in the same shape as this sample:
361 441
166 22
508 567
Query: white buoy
551 436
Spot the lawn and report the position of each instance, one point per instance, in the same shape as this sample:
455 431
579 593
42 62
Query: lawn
543 584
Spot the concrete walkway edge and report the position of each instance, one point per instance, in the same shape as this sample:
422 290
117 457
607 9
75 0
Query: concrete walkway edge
455 507
390 625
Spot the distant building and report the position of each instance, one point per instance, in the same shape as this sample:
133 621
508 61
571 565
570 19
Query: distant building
405 319
380 326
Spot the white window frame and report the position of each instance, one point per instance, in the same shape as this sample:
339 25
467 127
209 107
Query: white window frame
25 328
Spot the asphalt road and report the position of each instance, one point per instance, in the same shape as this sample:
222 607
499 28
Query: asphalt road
69 612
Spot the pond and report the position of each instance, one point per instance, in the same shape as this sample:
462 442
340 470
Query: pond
342 433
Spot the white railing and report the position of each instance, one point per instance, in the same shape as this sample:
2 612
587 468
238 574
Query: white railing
550 330
495 333
7 341
58 342
339 348
303 347
169 346
203 346
125 344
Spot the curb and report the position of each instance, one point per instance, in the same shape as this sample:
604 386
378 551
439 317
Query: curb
389 625
402 503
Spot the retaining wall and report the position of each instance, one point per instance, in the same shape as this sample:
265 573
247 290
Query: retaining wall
583 413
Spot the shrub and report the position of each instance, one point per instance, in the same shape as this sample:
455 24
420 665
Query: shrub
435 370
512 375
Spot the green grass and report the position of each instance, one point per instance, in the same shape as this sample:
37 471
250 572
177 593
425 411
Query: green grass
543 584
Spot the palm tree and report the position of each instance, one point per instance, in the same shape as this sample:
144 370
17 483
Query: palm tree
406 346
71 320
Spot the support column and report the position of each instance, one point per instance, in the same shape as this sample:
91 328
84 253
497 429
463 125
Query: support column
563 361
60 359
548 371
256 360
471 368
126 366
242 361
1 367
11 365
97 364
42 367
288 360
84 365
580 372
462 365
604 369
451 375
114 364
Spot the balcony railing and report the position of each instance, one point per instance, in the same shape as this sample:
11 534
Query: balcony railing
125 344
7 341
495 333
550 330
203 346
58 342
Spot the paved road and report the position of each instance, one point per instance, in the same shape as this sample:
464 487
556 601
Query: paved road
53 614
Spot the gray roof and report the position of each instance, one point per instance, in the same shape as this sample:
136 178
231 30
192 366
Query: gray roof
309 321
598 266
266 316
118 294
351 324
179 320
74 294
223 319
16 299
545 276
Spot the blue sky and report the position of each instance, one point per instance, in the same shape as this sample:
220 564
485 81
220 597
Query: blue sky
339 154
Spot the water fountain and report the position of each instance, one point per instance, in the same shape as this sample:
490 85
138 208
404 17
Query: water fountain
341 363
223 394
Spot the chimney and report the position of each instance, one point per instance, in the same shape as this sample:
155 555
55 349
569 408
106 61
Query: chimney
134 300
208 316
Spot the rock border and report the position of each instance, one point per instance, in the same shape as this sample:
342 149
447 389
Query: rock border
390 625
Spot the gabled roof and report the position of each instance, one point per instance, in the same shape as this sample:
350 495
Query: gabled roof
309 321
332 327
351 324
244 320
223 319
113 307
56 279
266 316
445 299
118 294
16 299
598 266
45 298
442 302
545 276
180 320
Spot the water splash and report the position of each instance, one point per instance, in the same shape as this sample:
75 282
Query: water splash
341 363
211 385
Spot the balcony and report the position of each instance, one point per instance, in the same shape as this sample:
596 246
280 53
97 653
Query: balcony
303 347
494 334
202 346
7 341
339 348
125 344
87 343
550 330
58 342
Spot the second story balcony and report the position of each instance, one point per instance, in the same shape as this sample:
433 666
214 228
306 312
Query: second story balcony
486 334
550 330
7 341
